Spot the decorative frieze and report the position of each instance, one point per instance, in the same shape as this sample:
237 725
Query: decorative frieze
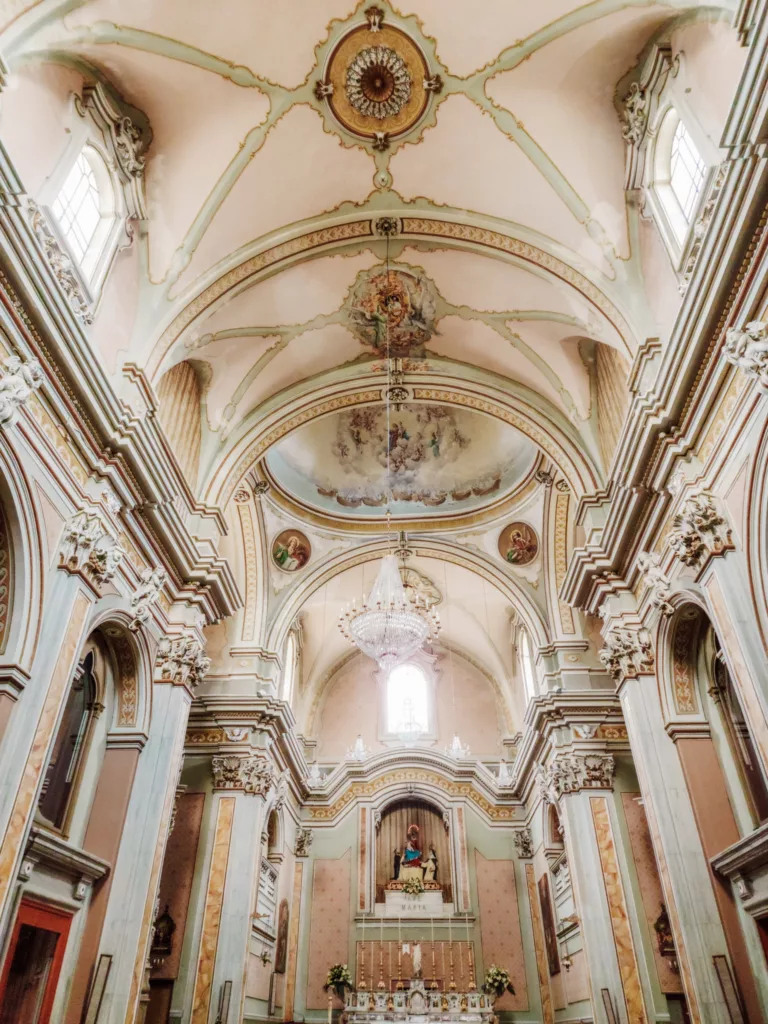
747 348
656 581
146 595
304 837
17 385
60 263
627 652
181 661
523 841
251 774
572 773
699 530
87 547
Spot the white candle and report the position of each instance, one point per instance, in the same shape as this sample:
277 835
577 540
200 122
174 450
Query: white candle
330 1007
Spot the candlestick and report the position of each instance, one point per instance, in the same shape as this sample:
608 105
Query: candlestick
399 960
452 985
330 1007
362 984
472 985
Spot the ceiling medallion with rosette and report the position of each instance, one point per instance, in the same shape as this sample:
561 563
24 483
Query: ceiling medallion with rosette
377 81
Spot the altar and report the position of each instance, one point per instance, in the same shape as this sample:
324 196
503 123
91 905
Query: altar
418 1004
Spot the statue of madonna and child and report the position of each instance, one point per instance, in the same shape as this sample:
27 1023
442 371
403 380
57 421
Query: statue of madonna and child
410 863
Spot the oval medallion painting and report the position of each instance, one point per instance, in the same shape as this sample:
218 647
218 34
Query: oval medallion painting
518 544
291 550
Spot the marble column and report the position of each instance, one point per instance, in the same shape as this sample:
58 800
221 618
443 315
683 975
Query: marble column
683 868
127 930
241 781
582 785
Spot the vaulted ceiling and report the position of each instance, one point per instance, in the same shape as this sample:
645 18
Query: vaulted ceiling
304 152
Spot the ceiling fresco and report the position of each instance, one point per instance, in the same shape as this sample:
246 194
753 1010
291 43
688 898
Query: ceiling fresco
438 459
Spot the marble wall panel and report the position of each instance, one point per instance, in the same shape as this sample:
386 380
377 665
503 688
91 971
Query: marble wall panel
329 923
293 941
500 933
542 968
617 908
214 898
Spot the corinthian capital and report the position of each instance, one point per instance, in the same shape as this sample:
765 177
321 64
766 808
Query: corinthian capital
700 529
627 652
17 385
571 773
251 774
87 547
747 348
181 661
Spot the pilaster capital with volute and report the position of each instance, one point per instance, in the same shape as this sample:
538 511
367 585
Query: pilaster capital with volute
249 773
627 652
571 773
181 660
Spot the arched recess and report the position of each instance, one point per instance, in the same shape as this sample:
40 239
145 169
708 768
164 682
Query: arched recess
479 391
132 668
392 823
23 567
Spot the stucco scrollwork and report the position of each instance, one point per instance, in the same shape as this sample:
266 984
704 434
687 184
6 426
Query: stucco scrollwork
251 774
61 265
700 529
634 117
656 581
88 547
146 595
572 773
627 652
523 841
747 348
304 837
181 661
17 385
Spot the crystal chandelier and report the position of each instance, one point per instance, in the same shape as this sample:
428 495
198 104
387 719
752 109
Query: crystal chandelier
389 627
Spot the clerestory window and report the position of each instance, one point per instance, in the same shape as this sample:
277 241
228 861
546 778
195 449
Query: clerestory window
407 701
85 210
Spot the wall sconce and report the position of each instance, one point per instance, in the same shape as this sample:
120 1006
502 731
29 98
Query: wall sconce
567 963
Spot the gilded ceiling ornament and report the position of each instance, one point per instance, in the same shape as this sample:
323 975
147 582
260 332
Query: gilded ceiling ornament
388 226
378 82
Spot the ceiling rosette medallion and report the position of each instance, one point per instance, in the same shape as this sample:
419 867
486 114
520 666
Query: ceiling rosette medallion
377 82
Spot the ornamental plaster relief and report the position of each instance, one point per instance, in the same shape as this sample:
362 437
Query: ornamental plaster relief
627 653
88 548
572 773
19 381
699 530
251 774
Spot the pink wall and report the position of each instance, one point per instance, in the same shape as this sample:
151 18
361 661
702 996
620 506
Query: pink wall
466 703
500 926
329 924
34 117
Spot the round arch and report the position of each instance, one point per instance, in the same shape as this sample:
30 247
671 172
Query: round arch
23 560
531 615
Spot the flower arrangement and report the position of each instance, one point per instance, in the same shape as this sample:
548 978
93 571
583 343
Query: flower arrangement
413 886
338 979
497 982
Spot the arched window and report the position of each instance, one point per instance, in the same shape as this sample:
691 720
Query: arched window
407 700
85 210
289 669
69 746
679 174
527 669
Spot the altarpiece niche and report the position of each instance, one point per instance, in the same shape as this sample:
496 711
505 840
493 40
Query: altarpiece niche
412 844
